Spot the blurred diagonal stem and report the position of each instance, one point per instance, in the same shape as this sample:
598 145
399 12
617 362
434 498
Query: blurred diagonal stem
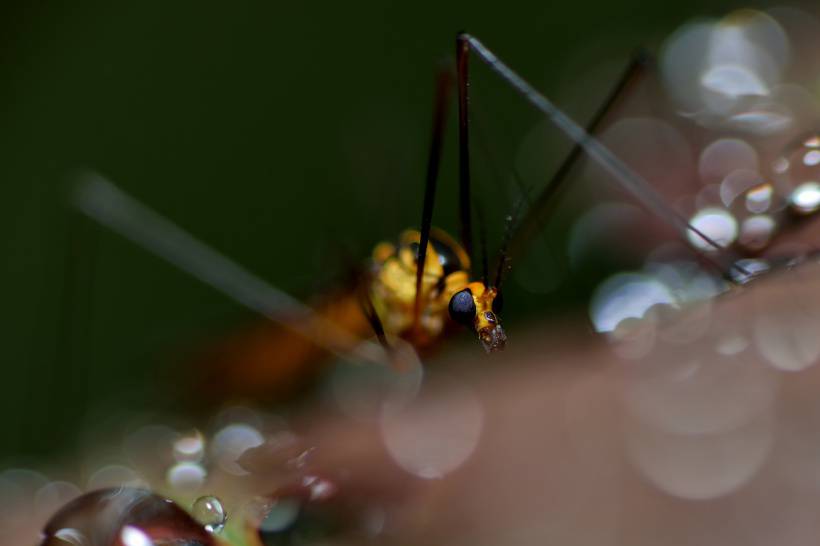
105 203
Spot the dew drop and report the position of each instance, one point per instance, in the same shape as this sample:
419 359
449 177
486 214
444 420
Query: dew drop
756 231
748 269
186 476
288 520
123 516
68 536
231 442
208 511
805 198
716 223
132 536
759 198
190 447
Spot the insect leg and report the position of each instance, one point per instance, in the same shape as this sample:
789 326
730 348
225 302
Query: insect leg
443 86
626 177
524 230
462 68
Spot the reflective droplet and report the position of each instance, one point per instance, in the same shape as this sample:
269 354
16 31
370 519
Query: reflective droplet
231 442
208 511
320 489
780 165
748 269
69 536
624 296
701 466
149 447
724 156
186 476
756 232
104 516
291 518
433 436
132 536
52 496
811 158
788 341
738 183
765 119
113 475
280 516
759 198
733 81
717 224
731 345
363 390
805 198
190 447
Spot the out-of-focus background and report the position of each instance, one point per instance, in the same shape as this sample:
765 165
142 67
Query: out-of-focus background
291 136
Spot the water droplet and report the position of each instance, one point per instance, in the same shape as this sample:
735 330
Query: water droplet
124 516
717 224
756 231
811 158
280 515
805 198
759 198
433 436
131 536
113 475
724 156
69 536
190 447
186 476
320 489
748 269
208 511
231 442
290 519
624 296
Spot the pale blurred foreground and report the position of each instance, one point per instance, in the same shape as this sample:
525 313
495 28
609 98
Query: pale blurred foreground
709 437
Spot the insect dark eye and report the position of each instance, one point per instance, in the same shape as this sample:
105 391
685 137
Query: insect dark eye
462 307
498 304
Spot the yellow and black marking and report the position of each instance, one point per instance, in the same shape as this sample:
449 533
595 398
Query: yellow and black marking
445 277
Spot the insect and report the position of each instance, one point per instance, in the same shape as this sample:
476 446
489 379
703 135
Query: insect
445 258
420 287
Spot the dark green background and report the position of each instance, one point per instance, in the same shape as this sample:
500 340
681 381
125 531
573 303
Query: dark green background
288 135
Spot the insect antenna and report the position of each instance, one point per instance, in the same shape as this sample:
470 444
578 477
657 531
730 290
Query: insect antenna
503 253
443 85
626 177
106 204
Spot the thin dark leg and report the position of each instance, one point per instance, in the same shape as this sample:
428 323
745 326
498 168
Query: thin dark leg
439 117
533 223
626 177
373 318
462 68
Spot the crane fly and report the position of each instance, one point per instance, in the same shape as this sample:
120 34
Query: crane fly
415 289
419 288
